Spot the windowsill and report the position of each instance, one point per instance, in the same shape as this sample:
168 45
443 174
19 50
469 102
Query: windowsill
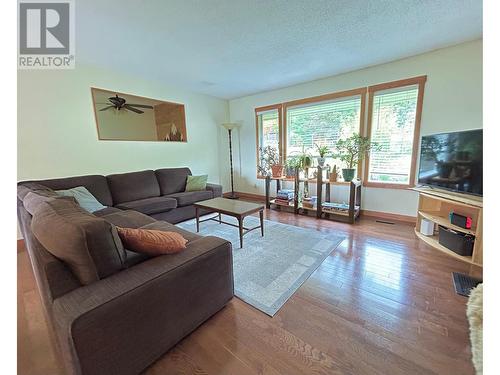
383 185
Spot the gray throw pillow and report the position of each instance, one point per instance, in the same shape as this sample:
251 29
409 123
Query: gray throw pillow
84 198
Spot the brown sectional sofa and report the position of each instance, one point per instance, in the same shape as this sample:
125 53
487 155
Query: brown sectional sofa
159 194
123 315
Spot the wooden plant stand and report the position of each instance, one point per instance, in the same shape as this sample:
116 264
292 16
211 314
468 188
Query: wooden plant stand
296 207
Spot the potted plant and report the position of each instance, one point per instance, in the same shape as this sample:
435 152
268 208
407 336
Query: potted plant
301 160
334 174
270 162
353 150
322 151
291 164
305 161
277 170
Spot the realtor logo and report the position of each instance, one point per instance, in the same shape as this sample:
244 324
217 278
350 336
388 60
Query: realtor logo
46 34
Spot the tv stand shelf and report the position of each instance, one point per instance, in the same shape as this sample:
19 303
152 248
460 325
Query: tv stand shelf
434 242
435 205
444 221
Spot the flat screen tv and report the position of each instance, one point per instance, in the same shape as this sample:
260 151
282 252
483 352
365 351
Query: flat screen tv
453 161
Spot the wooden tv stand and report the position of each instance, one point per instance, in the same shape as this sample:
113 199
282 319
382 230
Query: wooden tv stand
435 205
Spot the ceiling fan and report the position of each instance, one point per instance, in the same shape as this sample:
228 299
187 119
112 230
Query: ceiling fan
120 103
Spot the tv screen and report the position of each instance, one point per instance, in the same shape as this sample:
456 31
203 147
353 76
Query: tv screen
453 161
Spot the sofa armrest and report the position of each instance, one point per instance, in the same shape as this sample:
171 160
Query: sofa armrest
215 189
121 324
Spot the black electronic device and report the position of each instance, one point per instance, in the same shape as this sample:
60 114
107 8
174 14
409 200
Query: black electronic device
453 161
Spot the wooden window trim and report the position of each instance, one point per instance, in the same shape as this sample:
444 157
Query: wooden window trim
420 81
279 108
325 97
321 98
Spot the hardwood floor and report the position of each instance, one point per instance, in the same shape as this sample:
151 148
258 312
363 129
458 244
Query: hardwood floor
382 303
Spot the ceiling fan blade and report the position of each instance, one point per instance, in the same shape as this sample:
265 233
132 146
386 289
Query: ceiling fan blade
132 109
141 105
108 107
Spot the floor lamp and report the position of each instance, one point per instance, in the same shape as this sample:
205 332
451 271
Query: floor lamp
230 126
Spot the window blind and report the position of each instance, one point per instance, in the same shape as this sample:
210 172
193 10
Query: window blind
269 128
268 131
322 124
392 128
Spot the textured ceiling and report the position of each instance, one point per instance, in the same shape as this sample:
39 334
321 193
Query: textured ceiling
232 48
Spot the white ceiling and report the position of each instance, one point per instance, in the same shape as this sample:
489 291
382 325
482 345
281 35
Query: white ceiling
232 48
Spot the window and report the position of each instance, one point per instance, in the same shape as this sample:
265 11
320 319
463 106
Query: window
394 111
393 123
322 123
268 122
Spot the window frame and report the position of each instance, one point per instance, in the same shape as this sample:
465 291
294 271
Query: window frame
279 108
322 98
420 82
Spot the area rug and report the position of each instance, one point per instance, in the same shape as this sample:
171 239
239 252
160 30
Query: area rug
269 269
475 316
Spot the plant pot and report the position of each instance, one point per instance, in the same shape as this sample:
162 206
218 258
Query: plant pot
334 176
277 170
348 174
290 172
321 162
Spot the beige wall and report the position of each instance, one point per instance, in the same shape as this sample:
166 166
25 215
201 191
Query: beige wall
452 101
57 134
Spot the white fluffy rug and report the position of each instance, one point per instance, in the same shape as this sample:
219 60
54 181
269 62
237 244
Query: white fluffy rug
475 316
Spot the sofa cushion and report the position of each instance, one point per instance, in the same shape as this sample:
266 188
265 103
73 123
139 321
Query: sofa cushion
96 184
152 242
128 187
187 198
23 188
150 205
84 198
106 211
128 219
134 258
89 245
172 180
34 199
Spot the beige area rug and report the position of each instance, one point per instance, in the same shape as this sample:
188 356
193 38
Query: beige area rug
475 316
268 270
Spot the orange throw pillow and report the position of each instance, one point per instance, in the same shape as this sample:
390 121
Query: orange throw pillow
151 242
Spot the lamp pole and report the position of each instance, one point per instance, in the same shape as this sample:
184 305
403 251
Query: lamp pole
230 127
232 196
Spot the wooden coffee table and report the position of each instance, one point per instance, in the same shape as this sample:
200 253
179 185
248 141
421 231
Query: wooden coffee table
231 207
